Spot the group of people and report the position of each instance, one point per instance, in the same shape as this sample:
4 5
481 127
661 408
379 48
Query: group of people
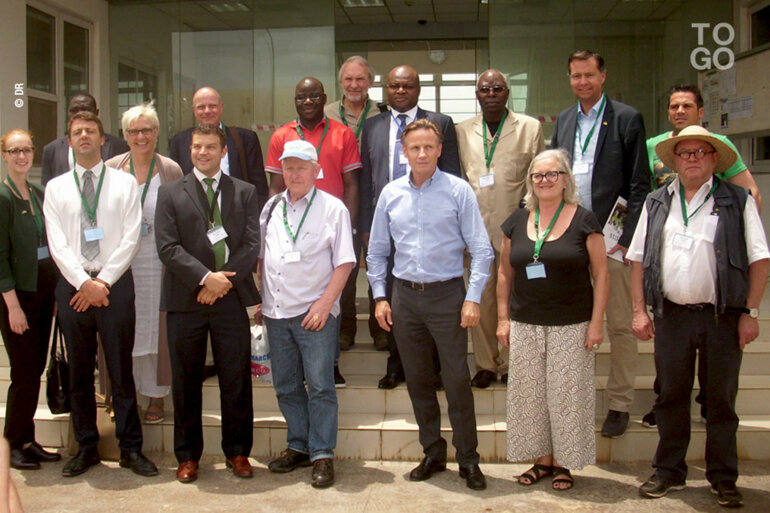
164 263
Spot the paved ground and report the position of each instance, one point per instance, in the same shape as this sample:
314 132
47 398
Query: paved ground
369 486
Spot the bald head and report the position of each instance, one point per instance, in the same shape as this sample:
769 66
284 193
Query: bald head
207 106
492 94
309 100
403 88
81 102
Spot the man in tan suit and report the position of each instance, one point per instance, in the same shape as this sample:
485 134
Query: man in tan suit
496 148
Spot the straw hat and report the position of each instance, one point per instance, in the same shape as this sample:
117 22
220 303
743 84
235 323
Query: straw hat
665 148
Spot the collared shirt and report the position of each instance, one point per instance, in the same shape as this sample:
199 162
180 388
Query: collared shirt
689 276
224 163
411 115
339 153
430 226
332 111
324 242
584 124
520 139
118 214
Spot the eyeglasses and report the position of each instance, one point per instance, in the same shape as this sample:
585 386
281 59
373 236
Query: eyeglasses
494 89
15 152
550 176
699 154
144 131
302 98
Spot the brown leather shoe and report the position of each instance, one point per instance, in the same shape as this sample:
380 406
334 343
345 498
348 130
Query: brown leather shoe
187 471
240 465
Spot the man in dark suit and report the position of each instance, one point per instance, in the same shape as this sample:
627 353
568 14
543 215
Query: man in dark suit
609 159
382 161
57 154
207 232
244 155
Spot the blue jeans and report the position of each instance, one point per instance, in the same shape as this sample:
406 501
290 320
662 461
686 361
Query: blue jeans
311 415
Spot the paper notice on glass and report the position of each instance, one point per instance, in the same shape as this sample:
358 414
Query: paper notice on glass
613 228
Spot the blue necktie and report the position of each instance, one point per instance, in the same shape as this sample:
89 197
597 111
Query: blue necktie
399 169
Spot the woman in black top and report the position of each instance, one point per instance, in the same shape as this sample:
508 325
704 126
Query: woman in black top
552 318
27 280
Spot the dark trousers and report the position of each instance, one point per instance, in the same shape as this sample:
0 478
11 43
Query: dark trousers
115 325
419 319
228 324
348 321
679 333
27 353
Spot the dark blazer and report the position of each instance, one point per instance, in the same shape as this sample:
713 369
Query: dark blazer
620 162
179 150
375 142
18 241
181 223
56 157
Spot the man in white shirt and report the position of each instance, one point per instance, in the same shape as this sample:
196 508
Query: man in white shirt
93 219
306 257
700 261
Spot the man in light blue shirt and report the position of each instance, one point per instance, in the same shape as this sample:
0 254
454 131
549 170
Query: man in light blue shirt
432 217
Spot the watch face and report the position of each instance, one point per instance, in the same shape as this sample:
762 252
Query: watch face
753 313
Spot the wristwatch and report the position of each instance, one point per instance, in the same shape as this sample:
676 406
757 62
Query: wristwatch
380 298
753 312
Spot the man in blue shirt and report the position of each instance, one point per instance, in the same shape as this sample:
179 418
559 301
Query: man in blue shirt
432 217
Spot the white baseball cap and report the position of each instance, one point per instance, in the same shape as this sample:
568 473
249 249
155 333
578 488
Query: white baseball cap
299 149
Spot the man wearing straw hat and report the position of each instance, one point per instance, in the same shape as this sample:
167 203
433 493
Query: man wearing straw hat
700 261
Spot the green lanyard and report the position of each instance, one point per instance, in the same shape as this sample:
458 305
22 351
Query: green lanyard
596 122
685 217
149 175
292 235
363 118
490 152
323 134
38 214
540 240
91 211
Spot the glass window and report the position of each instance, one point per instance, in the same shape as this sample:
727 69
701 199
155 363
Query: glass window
41 51
75 52
42 123
760 27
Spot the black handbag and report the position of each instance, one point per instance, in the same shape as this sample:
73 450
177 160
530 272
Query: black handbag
58 375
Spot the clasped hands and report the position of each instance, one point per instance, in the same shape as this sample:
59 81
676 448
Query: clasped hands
92 292
215 286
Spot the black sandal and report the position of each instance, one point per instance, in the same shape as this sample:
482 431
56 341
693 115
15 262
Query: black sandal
535 474
561 475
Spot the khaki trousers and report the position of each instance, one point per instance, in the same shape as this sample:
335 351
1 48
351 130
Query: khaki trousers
623 343
488 354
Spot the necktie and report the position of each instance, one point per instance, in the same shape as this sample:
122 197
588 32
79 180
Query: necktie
219 247
88 249
399 169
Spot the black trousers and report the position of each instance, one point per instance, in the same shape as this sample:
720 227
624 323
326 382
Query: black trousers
679 333
419 319
115 325
228 323
27 353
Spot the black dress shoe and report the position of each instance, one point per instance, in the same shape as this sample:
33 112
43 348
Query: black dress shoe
288 460
20 461
84 459
427 467
37 453
474 478
390 381
323 473
483 379
138 463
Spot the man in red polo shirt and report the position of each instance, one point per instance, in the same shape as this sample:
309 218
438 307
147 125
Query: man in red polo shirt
338 155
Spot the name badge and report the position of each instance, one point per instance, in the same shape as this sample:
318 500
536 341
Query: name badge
291 257
320 173
216 234
92 234
145 229
487 180
682 240
581 168
43 253
535 270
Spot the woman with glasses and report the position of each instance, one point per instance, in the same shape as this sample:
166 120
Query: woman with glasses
551 315
140 129
28 277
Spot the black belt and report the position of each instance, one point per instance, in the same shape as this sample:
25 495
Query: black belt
422 286
696 307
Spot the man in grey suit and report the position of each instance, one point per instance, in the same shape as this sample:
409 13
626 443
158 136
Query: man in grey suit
383 160
57 154
609 159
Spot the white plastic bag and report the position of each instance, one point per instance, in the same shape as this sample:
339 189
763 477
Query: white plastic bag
260 355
